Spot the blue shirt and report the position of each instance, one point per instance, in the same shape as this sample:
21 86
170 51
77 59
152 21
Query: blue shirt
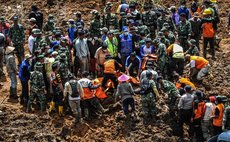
135 62
24 71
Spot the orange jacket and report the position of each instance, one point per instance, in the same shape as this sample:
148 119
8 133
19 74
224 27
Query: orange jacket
110 66
218 120
185 81
199 110
200 62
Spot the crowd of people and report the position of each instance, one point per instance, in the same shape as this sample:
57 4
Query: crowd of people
152 47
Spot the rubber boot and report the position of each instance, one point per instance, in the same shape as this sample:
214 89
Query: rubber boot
52 106
60 110
14 91
28 109
11 93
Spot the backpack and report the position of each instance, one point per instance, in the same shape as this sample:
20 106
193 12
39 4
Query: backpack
145 87
208 31
73 85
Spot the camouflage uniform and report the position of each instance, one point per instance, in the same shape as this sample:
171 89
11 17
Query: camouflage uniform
37 43
110 20
184 31
37 87
170 88
148 99
226 119
2 44
161 20
143 28
63 70
49 26
12 72
95 25
162 59
17 36
149 19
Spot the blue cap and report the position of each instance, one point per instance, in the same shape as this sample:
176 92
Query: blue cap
188 88
125 29
15 18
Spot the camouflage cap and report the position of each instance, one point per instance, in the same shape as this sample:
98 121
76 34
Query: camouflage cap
51 16
104 29
36 31
192 42
41 56
164 29
109 4
2 19
38 65
62 56
15 18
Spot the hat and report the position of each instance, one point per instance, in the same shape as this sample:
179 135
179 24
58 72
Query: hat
111 32
133 29
166 25
196 14
133 54
15 18
199 94
164 29
183 14
156 41
147 40
172 8
71 21
125 29
160 34
41 56
192 41
33 20
77 13
2 19
104 29
9 49
213 1
159 78
129 15
27 56
116 32
188 88
81 32
212 99
123 78
50 16
109 4
55 53
207 12
38 65
37 31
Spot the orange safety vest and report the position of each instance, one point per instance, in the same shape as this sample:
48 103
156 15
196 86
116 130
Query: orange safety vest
199 111
88 94
208 30
218 120
200 62
109 66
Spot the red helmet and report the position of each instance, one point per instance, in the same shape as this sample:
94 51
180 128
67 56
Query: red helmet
212 99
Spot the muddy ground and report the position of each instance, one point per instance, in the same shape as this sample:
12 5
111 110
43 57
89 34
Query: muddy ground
16 125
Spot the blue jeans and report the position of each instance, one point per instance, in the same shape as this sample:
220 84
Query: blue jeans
13 80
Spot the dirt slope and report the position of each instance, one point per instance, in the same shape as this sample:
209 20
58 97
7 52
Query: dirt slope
17 125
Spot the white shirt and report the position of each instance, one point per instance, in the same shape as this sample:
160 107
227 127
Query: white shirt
192 63
209 110
68 89
147 50
31 43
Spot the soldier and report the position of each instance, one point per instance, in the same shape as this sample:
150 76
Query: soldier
12 71
123 20
37 88
164 19
17 37
64 70
168 35
37 14
184 31
226 119
162 39
79 20
110 20
50 25
149 18
193 49
95 24
37 40
2 45
149 94
170 89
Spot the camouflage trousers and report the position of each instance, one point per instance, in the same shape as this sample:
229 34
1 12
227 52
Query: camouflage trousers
172 96
1 61
20 53
148 105
162 65
40 95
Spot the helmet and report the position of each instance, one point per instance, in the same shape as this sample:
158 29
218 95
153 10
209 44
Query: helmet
219 99
149 74
38 66
199 94
207 12
213 1
188 88
212 99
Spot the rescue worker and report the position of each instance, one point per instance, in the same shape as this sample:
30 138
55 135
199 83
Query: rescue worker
100 55
198 108
195 25
125 90
111 67
218 116
126 46
170 89
209 27
24 76
184 31
17 37
199 67
74 91
149 95
37 86
89 99
209 108
95 24
226 119
193 49
185 106
133 63
176 55
112 43
11 70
